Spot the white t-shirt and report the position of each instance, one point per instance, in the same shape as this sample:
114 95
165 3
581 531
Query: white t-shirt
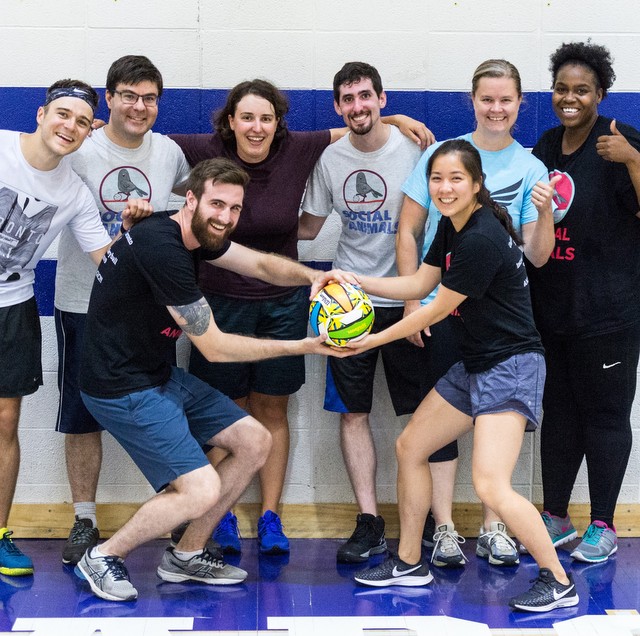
114 174
35 205
365 190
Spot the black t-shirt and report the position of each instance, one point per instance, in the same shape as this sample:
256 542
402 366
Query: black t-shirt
130 335
483 262
591 283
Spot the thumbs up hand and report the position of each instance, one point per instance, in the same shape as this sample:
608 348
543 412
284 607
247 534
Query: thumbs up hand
542 195
615 147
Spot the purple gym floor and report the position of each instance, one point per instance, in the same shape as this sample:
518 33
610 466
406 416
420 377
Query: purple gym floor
310 583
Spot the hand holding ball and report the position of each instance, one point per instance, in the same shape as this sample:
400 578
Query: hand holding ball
342 312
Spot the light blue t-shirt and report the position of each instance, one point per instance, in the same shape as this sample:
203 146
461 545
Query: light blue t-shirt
510 175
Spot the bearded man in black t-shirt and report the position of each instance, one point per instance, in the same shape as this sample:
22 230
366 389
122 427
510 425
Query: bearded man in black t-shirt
145 295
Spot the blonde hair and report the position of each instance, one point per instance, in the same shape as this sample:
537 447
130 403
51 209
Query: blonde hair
496 68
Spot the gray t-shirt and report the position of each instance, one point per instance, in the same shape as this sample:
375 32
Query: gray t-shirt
364 188
115 174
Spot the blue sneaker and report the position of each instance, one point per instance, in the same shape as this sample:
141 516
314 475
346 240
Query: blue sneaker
598 543
12 561
271 538
227 535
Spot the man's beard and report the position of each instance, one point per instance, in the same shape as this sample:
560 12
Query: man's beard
201 230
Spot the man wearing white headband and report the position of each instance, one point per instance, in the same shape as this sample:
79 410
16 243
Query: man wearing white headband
39 195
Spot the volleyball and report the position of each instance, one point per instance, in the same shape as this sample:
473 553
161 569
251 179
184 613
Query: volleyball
342 312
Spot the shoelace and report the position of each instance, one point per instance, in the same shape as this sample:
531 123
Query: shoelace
274 525
503 542
81 533
228 525
361 530
116 568
593 534
10 547
211 559
448 542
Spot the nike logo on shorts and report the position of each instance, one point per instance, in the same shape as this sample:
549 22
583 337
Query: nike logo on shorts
608 366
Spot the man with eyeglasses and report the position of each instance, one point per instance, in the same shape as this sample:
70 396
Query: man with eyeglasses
120 162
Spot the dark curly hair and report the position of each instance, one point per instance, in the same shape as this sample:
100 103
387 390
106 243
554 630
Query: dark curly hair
595 57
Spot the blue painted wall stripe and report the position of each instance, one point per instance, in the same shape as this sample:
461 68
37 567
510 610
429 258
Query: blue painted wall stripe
448 114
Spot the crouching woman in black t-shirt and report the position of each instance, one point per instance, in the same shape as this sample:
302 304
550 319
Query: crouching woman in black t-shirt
498 386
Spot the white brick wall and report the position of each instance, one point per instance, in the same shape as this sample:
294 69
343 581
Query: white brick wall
416 44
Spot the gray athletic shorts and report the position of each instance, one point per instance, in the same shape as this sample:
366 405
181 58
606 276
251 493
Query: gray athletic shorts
515 384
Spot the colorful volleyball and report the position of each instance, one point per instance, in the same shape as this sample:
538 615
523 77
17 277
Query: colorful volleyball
342 312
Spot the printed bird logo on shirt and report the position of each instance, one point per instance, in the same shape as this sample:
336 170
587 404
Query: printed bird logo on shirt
364 191
363 188
126 186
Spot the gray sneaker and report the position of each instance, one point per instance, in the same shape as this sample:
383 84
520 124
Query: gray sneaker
446 549
598 543
203 567
560 530
497 546
107 576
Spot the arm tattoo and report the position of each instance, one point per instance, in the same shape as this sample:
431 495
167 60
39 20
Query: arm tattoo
194 318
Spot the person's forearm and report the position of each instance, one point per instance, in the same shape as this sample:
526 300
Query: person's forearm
280 270
227 347
541 243
396 287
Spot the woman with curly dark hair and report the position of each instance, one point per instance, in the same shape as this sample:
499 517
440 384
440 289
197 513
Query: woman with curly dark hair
251 130
586 300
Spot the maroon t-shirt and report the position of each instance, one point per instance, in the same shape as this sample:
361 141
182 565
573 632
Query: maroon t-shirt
269 217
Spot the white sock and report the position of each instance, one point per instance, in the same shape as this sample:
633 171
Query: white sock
86 510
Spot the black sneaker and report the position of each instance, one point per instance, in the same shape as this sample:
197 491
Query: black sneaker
429 530
394 571
211 545
546 594
367 539
83 537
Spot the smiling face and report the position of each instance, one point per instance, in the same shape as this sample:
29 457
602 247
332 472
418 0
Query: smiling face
128 123
452 188
496 103
576 97
254 125
359 106
216 214
64 124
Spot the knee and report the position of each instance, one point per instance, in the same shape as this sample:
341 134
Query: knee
201 492
405 447
253 443
9 418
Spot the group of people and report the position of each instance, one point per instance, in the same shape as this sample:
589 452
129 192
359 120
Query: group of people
488 267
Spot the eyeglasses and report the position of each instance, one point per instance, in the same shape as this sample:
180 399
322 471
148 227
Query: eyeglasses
130 98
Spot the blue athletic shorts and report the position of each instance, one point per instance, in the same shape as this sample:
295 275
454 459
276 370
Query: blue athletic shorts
515 384
164 428
20 349
282 318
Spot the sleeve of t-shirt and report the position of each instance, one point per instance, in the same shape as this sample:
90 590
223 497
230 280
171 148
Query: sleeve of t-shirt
196 148
473 267
182 169
211 255
537 171
435 253
416 185
318 198
86 225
